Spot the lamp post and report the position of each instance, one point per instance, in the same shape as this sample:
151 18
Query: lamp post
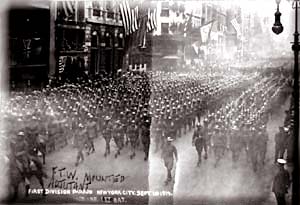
278 28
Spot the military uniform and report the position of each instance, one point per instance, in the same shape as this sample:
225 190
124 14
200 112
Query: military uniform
280 144
281 184
169 151
200 143
80 141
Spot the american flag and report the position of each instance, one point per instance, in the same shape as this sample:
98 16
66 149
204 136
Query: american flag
152 20
129 17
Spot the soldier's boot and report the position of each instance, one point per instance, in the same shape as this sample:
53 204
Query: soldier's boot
198 163
92 147
132 155
217 162
42 184
27 187
166 182
77 161
205 156
146 156
108 150
169 176
44 160
255 168
15 194
81 156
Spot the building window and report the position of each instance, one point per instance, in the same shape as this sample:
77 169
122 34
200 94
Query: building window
165 10
165 5
165 28
96 8
165 13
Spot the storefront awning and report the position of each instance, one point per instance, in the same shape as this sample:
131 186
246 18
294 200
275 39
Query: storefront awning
30 4
171 58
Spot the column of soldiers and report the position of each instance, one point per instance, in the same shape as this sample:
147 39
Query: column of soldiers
123 109
178 102
240 125
77 113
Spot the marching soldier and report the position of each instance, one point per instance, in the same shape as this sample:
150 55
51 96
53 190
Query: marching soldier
92 134
169 152
253 148
263 142
200 143
281 182
235 144
107 134
280 144
80 140
219 143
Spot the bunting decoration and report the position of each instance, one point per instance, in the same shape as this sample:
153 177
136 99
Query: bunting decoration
138 20
61 64
187 26
205 31
236 26
66 9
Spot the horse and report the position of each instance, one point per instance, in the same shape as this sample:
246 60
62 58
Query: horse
35 169
21 172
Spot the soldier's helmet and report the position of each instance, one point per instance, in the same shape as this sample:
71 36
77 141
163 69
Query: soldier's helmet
169 139
21 134
281 162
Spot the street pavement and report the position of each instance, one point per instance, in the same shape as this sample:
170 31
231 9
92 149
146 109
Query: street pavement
132 175
221 185
193 185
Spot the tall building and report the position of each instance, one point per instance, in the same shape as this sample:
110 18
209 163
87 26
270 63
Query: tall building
67 39
29 38
89 37
188 32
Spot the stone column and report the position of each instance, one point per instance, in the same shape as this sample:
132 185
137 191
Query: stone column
88 45
52 59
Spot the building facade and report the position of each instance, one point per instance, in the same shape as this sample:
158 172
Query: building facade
28 37
67 39
180 39
90 40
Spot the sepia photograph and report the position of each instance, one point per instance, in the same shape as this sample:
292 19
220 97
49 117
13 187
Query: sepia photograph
159 102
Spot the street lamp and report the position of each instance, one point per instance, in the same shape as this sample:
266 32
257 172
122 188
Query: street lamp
295 48
277 27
